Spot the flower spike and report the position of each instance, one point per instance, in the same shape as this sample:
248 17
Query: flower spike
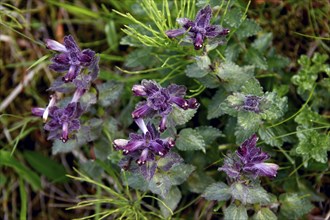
200 29
249 160
71 58
160 100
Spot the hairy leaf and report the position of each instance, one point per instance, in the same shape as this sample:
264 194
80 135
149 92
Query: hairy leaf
233 17
198 181
109 92
214 109
294 206
313 145
249 194
254 57
264 214
234 76
194 71
179 173
263 42
209 133
272 106
235 212
160 184
190 139
247 29
180 116
217 191
171 200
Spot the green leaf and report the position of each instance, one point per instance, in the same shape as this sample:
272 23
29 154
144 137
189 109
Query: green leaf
234 76
31 177
210 81
181 116
140 58
234 18
111 34
232 52
160 184
60 147
179 173
76 10
269 135
277 62
253 194
3 179
247 29
203 62
194 71
263 42
199 181
247 124
242 134
214 108
257 194
294 206
134 180
272 106
209 133
46 166
190 139
40 60
217 191
171 201
312 145
253 56
109 92
91 168
252 87
264 214
199 69
307 117
235 212
23 200
248 120
308 74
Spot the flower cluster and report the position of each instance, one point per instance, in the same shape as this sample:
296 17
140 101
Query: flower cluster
146 147
249 160
65 120
148 144
200 29
251 103
160 100
71 59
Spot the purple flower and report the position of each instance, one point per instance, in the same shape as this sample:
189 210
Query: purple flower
249 160
44 112
71 58
147 145
160 100
251 103
63 121
199 29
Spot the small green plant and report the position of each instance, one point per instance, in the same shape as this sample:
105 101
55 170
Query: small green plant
197 117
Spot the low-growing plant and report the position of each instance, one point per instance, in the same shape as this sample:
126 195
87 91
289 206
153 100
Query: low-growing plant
204 113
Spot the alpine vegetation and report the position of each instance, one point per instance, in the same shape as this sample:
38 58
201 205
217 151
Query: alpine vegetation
159 127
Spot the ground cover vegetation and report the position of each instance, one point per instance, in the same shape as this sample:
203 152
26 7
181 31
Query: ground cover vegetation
164 109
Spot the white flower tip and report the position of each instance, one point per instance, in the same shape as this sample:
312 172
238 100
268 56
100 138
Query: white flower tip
54 45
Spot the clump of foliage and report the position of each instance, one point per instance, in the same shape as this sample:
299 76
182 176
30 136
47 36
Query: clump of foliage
200 85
